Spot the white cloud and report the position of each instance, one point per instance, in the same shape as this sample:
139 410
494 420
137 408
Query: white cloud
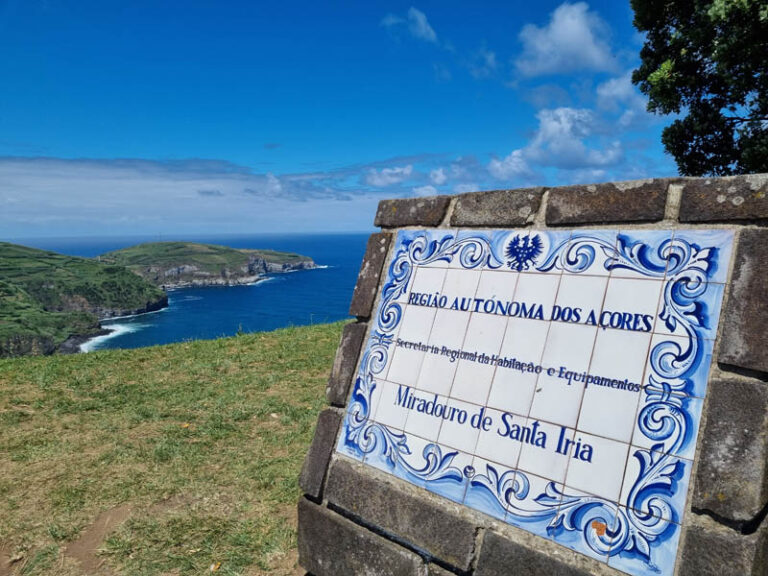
620 94
388 176
419 25
560 140
566 139
417 22
51 196
438 176
573 40
273 185
425 191
512 166
617 91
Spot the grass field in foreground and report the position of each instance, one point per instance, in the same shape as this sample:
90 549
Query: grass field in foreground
169 460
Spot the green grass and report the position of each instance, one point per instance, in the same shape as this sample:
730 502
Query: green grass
203 441
60 282
21 315
47 296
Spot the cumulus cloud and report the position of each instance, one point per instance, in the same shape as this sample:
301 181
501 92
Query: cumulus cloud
619 94
566 139
512 166
573 40
438 177
388 176
417 23
617 91
561 140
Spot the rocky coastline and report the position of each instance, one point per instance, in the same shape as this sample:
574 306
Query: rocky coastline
185 276
153 306
72 344
191 276
52 303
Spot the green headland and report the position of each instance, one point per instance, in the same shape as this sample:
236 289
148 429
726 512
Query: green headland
51 302
48 298
175 264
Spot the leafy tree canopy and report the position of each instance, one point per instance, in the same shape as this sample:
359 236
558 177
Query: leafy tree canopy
707 62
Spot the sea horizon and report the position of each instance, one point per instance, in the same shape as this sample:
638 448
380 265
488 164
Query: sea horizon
68 241
298 298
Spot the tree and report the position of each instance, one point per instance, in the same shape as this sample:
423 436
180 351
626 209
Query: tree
707 62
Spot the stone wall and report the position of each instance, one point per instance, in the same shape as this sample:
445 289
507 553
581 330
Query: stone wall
354 519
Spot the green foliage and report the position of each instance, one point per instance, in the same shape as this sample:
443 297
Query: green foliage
46 297
707 60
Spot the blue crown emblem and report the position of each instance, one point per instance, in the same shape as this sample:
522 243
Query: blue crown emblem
523 251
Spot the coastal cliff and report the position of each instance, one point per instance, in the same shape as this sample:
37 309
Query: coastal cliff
53 303
180 264
48 301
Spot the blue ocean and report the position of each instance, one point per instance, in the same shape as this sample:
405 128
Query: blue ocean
294 299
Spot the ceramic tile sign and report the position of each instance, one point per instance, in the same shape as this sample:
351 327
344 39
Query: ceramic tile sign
553 380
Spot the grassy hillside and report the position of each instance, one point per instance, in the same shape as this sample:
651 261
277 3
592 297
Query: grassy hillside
26 327
167 459
45 297
172 262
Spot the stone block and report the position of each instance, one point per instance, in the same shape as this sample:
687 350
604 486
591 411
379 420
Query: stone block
370 273
343 370
330 545
711 550
412 212
732 477
744 340
633 201
316 461
725 199
435 570
503 208
500 556
428 523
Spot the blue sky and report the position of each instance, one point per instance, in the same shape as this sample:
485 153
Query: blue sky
209 117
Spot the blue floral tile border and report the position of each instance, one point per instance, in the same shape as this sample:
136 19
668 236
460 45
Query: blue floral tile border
636 532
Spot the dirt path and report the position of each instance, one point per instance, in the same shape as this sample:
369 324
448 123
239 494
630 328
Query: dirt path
85 549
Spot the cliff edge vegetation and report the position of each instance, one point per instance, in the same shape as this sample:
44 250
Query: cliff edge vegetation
178 264
162 460
48 298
